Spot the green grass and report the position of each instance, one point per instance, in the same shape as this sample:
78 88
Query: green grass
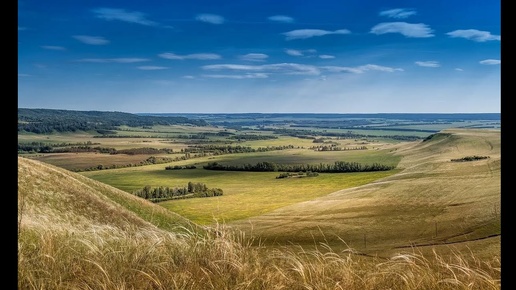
246 194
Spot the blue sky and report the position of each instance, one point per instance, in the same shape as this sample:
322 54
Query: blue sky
260 56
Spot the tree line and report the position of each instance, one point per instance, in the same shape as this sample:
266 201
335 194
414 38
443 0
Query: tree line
42 121
229 149
470 158
310 134
266 166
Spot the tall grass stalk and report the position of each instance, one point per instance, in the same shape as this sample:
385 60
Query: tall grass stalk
110 258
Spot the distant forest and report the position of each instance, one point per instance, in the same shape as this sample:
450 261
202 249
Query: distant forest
43 121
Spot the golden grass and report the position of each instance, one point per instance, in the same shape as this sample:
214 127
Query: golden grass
106 259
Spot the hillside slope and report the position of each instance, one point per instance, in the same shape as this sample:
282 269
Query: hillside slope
52 197
432 201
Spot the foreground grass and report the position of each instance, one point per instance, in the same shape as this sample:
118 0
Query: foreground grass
114 259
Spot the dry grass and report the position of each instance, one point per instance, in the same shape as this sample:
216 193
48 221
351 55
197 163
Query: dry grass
149 259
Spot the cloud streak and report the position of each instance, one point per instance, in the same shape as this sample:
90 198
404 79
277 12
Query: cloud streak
298 69
210 18
53 47
113 60
308 33
122 15
198 56
399 13
473 34
430 63
490 61
91 40
360 69
286 68
244 76
151 67
413 30
254 57
281 18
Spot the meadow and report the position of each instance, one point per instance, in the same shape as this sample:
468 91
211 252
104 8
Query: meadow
430 223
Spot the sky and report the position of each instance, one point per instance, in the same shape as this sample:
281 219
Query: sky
260 56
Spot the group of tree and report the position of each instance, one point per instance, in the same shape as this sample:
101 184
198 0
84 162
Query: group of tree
42 121
43 147
162 193
252 137
148 161
337 167
470 158
336 148
39 147
298 174
179 167
212 149
311 134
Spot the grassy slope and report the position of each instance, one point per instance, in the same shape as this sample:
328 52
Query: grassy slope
49 196
431 201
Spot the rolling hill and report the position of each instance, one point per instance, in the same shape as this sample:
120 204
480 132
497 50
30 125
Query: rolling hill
77 233
432 201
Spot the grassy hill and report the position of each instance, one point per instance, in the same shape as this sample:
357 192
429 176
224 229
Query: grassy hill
432 201
77 233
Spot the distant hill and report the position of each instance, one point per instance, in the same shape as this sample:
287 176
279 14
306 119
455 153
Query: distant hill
50 120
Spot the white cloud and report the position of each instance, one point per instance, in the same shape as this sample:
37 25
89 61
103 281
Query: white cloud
20 28
398 13
293 52
375 67
93 40
122 15
490 61
360 69
418 30
52 47
210 18
244 76
254 57
308 33
281 18
113 60
286 68
430 63
298 69
326 56
199 56
338 69
458 69
151 67
188 77
473 34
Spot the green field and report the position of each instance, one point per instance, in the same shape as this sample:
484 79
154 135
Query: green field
247 194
